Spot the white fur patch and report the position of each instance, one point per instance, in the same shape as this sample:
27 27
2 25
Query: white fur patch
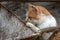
46 22
43 22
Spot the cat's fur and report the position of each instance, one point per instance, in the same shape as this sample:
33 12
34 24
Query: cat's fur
38 17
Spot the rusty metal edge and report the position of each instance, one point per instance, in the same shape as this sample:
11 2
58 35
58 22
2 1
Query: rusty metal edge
53 35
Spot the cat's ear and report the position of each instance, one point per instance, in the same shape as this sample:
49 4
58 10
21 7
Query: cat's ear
32 8
29 4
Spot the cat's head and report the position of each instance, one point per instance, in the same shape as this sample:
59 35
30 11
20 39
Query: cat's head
34 12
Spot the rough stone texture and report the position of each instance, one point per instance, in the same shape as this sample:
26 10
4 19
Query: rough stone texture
11 27
20 8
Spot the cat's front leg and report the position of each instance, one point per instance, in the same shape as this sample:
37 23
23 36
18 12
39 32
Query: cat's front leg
33 27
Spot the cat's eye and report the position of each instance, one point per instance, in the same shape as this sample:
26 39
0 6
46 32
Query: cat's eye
30 17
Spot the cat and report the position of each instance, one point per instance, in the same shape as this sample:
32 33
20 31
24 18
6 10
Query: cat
38 17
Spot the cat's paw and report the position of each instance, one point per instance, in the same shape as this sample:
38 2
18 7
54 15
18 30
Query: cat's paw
29 24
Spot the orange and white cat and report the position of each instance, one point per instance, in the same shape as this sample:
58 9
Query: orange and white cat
38 18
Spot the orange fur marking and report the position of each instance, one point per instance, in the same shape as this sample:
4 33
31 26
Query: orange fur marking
43 10
40 9
33 11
